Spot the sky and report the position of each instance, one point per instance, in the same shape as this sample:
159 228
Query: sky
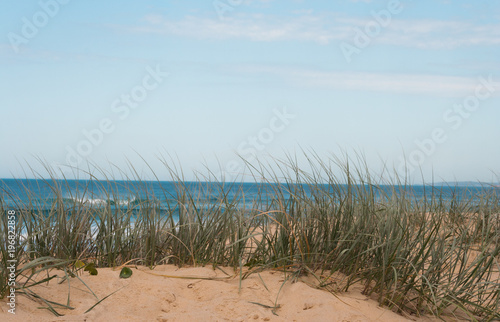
410 85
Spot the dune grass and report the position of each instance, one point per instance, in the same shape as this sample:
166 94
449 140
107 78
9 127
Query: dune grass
437 255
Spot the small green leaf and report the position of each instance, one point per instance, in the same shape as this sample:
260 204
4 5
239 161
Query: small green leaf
89 266
79 264
126 272
92 271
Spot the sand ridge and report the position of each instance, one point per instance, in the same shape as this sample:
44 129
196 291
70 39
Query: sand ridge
147 296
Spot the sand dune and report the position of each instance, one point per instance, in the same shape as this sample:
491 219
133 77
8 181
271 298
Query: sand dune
148 296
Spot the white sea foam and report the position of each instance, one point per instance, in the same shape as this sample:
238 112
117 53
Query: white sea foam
102 202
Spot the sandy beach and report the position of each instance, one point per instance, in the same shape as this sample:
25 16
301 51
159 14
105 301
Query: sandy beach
148 295
421 266
253 160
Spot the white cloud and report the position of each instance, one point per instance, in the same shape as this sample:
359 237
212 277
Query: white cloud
433 34
325 29
378 82
255 28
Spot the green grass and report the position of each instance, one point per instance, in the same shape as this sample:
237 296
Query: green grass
434 256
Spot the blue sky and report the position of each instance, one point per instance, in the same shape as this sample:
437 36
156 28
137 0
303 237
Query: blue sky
104 81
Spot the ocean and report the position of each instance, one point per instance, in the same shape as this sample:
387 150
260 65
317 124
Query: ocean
41 194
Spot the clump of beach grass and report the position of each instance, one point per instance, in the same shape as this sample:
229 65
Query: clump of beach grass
432 254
